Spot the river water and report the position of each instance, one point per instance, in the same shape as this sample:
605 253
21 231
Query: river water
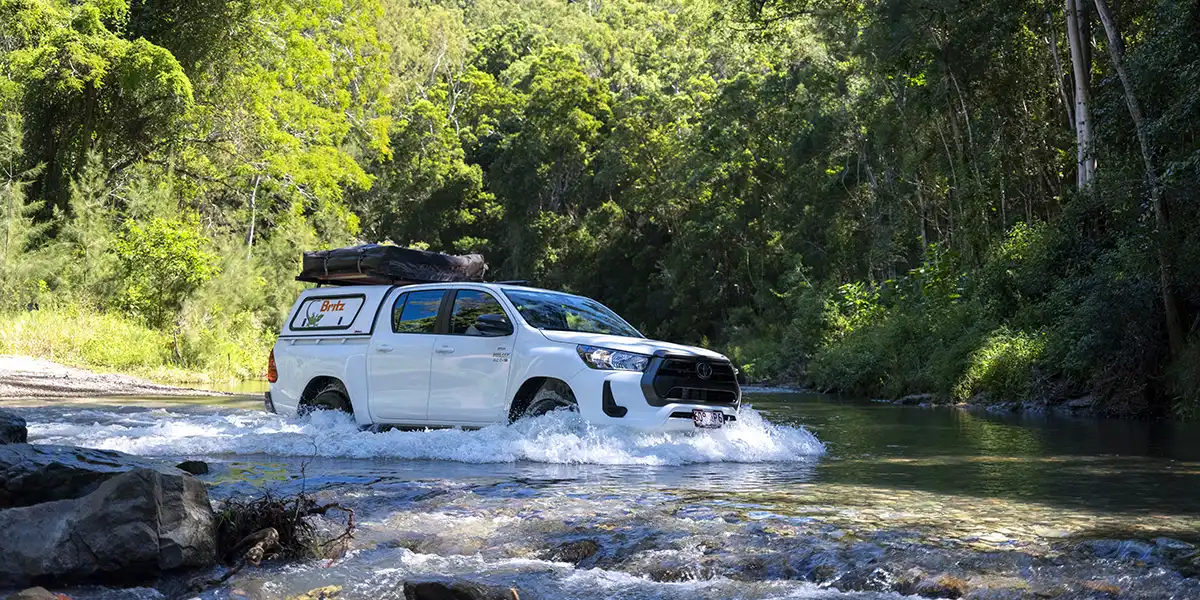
805 496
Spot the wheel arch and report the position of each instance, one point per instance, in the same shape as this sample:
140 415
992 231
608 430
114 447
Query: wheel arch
527 391
319 383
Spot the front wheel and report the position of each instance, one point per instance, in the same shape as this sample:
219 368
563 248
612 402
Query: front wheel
551 397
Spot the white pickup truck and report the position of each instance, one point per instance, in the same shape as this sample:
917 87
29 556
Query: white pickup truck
474 354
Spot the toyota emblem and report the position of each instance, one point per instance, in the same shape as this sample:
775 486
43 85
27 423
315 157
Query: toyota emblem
703 370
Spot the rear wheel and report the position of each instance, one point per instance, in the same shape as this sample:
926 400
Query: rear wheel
552 396
331 397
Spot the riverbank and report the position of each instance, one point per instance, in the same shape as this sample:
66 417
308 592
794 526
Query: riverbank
27 377
199 353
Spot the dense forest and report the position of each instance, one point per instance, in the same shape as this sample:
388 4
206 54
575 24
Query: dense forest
981 200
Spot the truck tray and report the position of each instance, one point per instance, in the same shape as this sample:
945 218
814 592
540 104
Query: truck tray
373 264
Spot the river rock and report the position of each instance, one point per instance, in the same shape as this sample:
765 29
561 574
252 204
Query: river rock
12 429
33 473
457 590
36 593
575 552
195 467
1081 403
915 399
135 526
943 586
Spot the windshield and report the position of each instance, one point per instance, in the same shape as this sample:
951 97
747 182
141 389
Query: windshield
563 312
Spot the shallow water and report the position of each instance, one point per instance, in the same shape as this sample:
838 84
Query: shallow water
805 497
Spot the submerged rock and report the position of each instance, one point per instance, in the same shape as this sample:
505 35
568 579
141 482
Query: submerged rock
12 429
575 552
132 527
195 467
943 586
457 590
35 473
329 592
36 593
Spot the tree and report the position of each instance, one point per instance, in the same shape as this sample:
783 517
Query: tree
1079 40
162 263
22 264
1166 268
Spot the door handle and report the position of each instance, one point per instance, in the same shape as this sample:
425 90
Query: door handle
444 350
384 348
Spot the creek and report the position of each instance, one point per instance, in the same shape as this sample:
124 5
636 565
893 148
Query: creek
806 496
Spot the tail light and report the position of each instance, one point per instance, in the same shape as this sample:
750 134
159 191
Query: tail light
272 372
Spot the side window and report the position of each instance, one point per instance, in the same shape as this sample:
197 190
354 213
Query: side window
479 314
416 312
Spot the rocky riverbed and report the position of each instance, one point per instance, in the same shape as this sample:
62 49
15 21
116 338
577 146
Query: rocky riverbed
888 502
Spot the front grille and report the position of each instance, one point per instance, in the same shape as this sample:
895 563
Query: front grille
699 395
690 379
673 367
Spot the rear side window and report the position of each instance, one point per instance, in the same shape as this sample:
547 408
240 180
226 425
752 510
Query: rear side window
327 312
469 305
416 312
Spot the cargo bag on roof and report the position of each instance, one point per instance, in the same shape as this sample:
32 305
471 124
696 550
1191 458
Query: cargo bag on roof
374 264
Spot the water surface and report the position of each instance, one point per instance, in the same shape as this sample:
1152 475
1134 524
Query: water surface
806 497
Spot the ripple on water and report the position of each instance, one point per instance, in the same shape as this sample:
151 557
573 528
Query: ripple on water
555 438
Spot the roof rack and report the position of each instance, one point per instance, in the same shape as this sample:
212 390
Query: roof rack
513 282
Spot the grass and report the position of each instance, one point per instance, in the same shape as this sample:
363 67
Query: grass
110 342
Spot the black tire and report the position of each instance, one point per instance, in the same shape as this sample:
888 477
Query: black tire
552 396
331 397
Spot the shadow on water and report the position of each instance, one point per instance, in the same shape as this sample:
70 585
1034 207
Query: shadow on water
1102 465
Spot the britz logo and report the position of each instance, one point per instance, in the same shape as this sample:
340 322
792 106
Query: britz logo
336 305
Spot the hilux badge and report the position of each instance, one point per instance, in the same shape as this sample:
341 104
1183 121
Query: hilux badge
703 370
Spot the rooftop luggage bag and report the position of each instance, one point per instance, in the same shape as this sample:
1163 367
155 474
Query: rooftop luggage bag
373 264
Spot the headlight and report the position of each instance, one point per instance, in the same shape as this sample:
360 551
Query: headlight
612 360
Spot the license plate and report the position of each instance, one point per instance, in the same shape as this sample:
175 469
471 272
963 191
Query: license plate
708 419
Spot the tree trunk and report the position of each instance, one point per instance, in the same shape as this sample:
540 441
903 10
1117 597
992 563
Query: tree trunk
1081 67
1165 267
253 216
1052 41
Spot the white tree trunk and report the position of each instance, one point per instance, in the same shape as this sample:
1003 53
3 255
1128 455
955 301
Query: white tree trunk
1081 66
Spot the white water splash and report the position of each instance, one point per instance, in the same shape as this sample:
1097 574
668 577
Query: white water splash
560 438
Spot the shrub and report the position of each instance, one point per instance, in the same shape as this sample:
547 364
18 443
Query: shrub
1003 366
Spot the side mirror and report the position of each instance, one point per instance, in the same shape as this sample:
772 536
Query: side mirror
493 325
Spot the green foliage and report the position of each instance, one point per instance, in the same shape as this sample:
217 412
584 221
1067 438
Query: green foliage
161 264
23 266
1002 366
875 198
80 336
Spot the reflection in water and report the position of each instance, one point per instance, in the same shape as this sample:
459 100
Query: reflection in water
1101 465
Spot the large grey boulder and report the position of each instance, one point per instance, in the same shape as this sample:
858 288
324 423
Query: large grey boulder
12 429
34 473
133 527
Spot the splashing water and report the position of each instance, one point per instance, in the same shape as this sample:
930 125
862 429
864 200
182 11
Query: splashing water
561 438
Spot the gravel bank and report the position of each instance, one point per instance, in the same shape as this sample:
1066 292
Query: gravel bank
25 377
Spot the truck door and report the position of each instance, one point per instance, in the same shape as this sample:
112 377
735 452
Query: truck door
400 355
469 384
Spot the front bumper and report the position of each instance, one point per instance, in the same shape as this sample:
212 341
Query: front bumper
658 399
